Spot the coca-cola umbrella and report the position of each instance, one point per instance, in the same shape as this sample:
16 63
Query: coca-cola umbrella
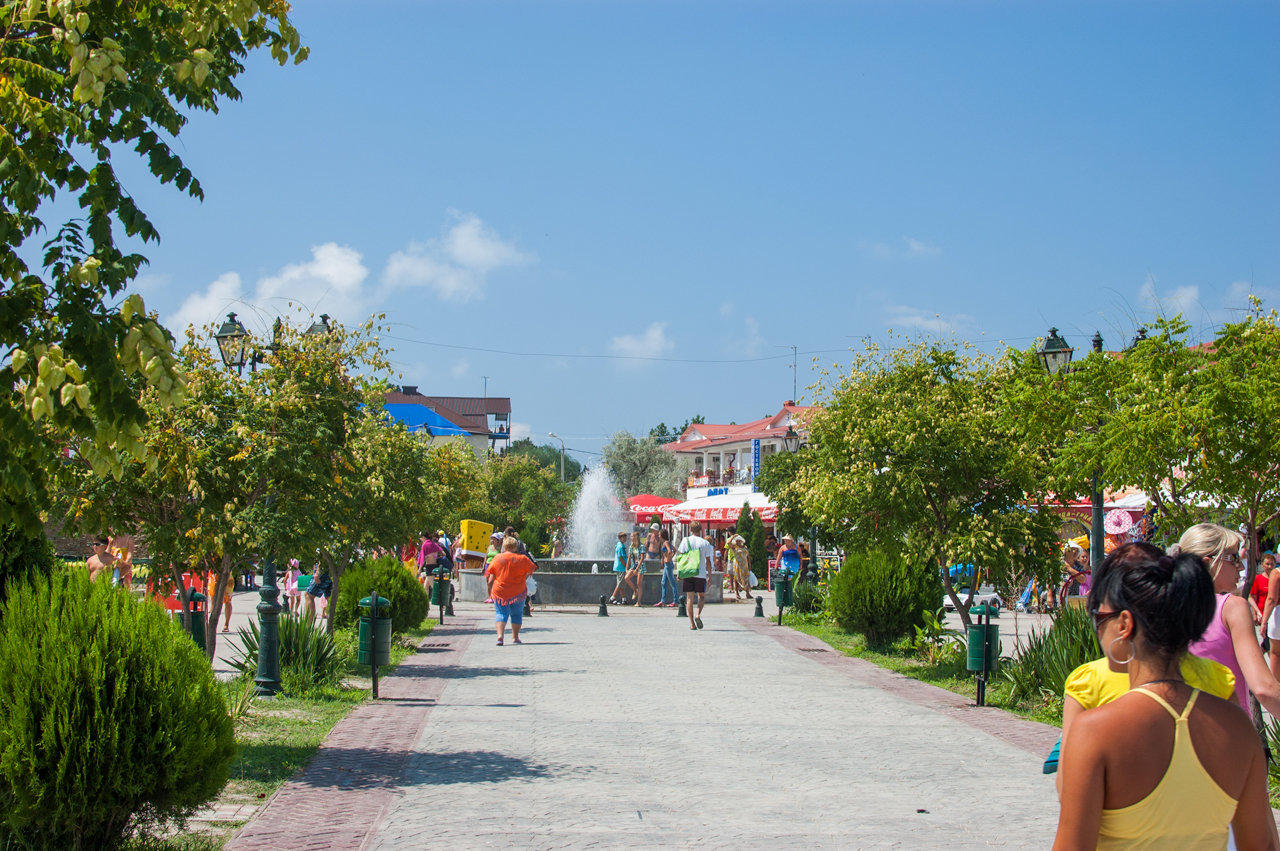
645 505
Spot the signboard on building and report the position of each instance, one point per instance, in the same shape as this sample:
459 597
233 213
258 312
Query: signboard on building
755 461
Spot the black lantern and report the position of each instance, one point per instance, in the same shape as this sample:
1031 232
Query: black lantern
791 440
1055 353
233 343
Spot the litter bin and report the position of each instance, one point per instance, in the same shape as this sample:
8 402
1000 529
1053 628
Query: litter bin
441 586
196 601
374 637
781 581
976 632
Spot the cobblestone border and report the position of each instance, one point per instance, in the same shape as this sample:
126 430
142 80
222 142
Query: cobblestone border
341 797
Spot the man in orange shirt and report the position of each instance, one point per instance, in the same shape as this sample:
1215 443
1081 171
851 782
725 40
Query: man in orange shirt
510 571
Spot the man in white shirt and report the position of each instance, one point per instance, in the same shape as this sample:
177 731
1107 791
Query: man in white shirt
696 586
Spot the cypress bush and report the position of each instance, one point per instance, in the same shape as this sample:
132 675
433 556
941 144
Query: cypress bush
883 595
111 719
410 602
23 556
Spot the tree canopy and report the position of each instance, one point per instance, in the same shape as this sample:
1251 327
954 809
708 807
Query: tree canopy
81 82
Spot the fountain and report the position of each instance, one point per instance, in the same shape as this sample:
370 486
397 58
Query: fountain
596 519
594 524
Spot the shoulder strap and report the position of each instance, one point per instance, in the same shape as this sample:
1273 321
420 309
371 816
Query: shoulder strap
1186 710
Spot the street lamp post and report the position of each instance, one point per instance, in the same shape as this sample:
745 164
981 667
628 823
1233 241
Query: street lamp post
557 437
233 346
1056 356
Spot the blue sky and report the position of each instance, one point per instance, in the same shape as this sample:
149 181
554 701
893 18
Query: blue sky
573 183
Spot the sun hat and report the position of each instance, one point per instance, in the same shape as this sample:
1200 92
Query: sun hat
654 526
1117 522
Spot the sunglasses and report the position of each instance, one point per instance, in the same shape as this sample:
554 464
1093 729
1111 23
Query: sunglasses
1099 618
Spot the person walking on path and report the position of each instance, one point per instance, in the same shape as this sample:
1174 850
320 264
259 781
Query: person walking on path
737 546
1165 765
510 570
668 554
619 570
635 566
428 556
1271 612
1230 637
696 586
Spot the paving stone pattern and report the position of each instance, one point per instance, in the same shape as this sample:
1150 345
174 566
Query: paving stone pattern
633 730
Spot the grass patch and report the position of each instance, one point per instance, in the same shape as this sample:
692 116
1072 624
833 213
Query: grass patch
277 737
950 675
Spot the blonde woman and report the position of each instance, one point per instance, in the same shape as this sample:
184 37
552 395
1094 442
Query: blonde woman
1230 638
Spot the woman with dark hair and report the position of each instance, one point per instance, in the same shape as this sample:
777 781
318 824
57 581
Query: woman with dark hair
1165 765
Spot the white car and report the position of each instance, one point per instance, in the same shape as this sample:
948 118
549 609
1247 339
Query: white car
984 594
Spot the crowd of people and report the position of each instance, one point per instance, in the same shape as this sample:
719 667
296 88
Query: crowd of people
1158 747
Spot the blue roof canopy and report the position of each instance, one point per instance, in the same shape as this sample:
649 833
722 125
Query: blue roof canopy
422 418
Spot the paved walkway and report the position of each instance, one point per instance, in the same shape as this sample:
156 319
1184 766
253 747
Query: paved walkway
633 730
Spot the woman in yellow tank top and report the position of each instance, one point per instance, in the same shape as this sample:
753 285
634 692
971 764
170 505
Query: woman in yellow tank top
1165 765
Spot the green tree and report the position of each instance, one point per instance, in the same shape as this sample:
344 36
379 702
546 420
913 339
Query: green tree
526 495
911 453
548 456
643 466
81 82
776 471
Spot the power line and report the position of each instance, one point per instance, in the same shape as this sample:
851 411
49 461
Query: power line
597 356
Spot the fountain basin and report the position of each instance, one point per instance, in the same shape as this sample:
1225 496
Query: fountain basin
563 582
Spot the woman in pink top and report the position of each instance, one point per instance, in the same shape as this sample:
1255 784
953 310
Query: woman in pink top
1230 638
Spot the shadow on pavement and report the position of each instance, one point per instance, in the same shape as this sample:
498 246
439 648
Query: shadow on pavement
371 768
432 769
464 673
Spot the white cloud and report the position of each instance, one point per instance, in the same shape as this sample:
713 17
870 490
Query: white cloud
752 341
208 307
878 250
456 265
332 281
519 431
916 248
1182 300
652 343
911 247
901 316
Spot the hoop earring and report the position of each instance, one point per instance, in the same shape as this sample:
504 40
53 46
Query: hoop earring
1132 651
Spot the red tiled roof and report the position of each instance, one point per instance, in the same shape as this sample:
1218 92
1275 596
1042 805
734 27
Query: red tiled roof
716 434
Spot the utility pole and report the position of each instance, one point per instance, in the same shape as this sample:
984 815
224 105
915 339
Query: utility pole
557 437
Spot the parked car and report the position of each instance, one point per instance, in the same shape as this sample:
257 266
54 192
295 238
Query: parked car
985 594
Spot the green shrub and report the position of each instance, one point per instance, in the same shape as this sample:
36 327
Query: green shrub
111 719
410 603
883 595
23 557
1045 659
309 658
808 599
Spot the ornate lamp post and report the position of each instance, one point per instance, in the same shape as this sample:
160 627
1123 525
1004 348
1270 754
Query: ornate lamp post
1056 355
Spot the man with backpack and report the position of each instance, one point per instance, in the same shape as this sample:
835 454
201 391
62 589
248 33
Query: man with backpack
693 581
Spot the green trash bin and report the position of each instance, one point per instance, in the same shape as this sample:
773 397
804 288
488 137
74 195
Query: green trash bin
196 601
440 587
781 581
975 632
374 637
